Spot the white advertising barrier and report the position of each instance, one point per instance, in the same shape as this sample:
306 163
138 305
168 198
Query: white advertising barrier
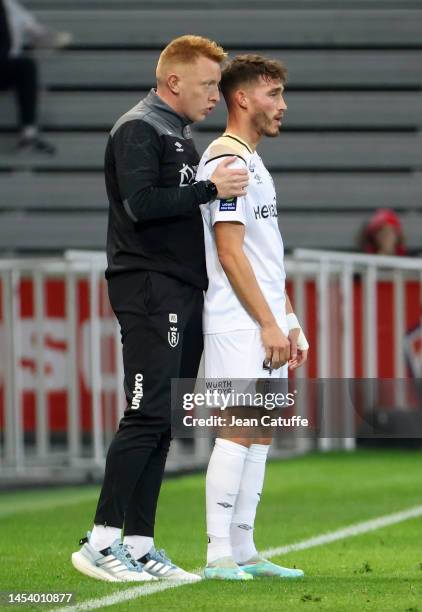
60 349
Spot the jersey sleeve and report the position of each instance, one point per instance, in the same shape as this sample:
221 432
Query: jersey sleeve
231 209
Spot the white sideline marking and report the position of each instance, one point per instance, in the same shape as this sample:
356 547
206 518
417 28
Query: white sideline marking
120 596
11 509
347 532
325 538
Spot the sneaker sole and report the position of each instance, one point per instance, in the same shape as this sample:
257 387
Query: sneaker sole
80 563
262 573
216 575
85 567
274 575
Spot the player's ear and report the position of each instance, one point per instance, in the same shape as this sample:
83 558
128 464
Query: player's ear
173 83
241 98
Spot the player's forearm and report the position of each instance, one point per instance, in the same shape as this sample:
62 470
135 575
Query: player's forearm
242 278
294 324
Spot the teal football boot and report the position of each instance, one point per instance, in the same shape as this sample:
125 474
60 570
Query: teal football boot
225 569
260 567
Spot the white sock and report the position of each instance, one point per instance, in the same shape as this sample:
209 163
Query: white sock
242 527
103 537
222 486
29 131
140 545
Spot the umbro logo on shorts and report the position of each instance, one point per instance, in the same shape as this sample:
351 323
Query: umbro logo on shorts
225 504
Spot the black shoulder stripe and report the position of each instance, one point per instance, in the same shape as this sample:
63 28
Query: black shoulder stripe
239 141
225 155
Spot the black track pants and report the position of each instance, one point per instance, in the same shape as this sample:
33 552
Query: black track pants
161 326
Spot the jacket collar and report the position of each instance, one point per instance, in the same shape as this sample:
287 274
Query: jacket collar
153 101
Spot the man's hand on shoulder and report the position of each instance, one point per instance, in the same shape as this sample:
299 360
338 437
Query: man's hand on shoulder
230 182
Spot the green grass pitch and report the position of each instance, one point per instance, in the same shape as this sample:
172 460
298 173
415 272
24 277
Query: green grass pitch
379 571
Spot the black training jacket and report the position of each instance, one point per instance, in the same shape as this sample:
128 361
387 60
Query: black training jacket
154 220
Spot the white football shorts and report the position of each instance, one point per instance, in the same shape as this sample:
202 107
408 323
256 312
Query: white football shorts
237 354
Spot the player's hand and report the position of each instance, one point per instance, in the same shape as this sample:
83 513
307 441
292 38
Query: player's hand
230 182
297 356
276 344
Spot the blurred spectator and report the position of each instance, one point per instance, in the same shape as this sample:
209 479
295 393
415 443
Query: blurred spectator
19 27
383 234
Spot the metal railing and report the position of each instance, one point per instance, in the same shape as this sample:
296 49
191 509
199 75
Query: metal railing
91 389
337 275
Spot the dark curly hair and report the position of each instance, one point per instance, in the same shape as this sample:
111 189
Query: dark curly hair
244 69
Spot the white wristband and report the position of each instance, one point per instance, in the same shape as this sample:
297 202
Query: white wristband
293 323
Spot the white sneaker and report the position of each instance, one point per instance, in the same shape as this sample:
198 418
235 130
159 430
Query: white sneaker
156 563
113 564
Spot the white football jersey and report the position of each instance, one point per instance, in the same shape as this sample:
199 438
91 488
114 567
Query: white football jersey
263 245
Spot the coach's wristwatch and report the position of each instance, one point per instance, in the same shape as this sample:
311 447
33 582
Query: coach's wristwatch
211 189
